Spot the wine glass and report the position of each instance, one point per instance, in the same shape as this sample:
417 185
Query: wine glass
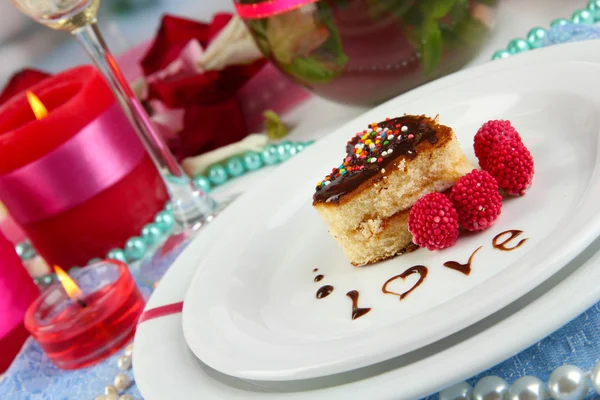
191 206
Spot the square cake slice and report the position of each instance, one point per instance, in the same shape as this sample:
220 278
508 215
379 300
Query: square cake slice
388 167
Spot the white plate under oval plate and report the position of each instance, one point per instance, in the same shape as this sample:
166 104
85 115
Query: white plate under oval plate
251 310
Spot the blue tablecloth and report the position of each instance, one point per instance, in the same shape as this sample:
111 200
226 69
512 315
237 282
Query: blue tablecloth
33 377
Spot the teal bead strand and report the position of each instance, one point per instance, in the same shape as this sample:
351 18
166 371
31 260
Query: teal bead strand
151 234
117 254
165 221
217 175
300 147
269 155
536 37
252 161
74 270
309 142
500 54
25 250
292 150
283 150
517 46
235 167
594 8
583 17
559 22
202 183
135 248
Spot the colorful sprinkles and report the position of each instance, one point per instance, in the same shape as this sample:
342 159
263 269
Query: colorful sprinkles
369 147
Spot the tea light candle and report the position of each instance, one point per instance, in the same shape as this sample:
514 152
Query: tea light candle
88 317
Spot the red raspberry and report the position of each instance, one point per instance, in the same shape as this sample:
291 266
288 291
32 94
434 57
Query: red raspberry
477 200
433 222
489 134
512 165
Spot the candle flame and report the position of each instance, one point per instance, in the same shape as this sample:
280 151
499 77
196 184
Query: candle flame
38 108
69 284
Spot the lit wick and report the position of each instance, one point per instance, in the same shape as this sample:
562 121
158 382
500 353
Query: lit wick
38 108
70 286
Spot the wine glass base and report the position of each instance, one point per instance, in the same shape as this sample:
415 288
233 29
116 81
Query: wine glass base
152 268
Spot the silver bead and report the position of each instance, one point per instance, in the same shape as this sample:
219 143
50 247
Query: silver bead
126 397
527 388
461 391
490 388
124 363
128 350
568 382
122 381
595 377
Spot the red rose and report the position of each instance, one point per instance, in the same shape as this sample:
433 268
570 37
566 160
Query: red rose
174 34
207 97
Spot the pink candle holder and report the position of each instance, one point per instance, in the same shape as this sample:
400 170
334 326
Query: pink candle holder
76 333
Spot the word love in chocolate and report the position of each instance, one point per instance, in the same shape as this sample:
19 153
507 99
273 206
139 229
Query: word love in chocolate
464 268
501 241
417 269
512 234
325 290
357 311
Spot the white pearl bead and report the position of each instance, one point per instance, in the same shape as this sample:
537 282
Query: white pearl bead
128 350
595 377
124 363
490 388
461 391
126 397
568 383
527 388
110 389
112 397
122 381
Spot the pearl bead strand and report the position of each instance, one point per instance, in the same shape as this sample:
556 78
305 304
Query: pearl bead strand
566 382
122 381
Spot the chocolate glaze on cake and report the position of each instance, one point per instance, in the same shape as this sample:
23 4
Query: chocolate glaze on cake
391 139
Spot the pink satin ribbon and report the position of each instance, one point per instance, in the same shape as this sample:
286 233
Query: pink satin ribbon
269 8
100 155
161 311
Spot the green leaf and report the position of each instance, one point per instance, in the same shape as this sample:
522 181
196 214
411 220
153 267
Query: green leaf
471 31
259 34
311 70
431 46
460 11
274 127
492 3
379 8
413 16
333 45
321 64
436 9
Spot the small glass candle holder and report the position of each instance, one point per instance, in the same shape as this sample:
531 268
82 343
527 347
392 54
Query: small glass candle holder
78 332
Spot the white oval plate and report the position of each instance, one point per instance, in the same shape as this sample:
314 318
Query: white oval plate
251 310
165 368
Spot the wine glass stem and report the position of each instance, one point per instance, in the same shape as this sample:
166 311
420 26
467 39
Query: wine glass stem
191 205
